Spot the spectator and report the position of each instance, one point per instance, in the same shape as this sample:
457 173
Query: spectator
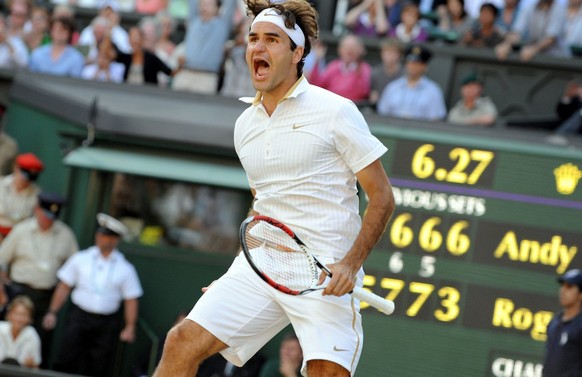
209 26
563 346
349 76
368 19
472 108
289 362
165 46
508 15
414 96
13 51
389 70
569 109
33 251
151 31
18 192
100 29
473 7
237 81
18 17
484 34
538 29
141 66
100 279
573 26
409 30
150 6
453 19
106 68
19 342
59 57
8 151
66 11
38 34
118 35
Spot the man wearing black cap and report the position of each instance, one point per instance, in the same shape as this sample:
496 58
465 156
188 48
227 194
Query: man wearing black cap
18 192
564 344
414 96
34 250
99 280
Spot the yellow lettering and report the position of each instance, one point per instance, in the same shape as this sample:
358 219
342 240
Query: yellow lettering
522 319
540 325
567 255
507 245
528 248
505 314
553 253
502 311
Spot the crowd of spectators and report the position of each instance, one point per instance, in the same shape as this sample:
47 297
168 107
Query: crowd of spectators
209 55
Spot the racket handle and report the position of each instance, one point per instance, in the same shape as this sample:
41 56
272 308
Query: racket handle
383 305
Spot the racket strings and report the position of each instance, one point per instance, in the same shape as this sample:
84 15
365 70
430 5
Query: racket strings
279 257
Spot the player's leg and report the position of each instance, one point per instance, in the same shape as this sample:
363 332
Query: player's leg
186 346
326 368
329 329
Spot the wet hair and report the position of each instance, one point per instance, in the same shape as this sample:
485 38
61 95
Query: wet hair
294 12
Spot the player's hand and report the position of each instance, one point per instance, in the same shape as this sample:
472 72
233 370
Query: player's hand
342 280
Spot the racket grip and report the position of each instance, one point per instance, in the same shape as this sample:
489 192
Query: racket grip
383 305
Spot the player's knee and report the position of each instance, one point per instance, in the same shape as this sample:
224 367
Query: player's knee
189 338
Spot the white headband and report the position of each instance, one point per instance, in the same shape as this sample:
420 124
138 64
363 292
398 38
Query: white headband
271 15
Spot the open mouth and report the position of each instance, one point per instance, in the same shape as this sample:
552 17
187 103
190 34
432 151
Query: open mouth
261 68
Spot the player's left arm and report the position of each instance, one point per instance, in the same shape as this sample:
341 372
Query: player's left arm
376 185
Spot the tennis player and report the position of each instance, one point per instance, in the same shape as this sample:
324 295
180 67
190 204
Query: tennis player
303 149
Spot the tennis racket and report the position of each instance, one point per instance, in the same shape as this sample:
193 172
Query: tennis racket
281 259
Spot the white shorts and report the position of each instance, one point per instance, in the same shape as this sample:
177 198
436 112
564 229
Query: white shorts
244 312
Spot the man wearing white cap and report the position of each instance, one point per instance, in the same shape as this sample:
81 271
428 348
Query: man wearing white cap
100 279
303 149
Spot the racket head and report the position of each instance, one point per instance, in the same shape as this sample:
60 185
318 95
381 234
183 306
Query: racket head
278 256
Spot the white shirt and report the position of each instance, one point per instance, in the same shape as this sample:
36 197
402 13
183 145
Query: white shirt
18 58
119 37
16 206
26 345
424 101
92 72
100 284
34 255
302 162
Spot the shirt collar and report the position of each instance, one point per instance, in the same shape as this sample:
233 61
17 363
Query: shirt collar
299 87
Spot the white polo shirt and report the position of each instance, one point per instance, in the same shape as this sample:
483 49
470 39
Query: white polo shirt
302 162
100 284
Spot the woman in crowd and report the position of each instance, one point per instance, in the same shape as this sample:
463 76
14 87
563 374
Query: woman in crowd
19 342
59 57
141 66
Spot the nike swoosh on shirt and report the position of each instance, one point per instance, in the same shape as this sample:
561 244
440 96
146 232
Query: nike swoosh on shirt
296 126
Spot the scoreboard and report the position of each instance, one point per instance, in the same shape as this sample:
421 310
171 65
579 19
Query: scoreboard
482 228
